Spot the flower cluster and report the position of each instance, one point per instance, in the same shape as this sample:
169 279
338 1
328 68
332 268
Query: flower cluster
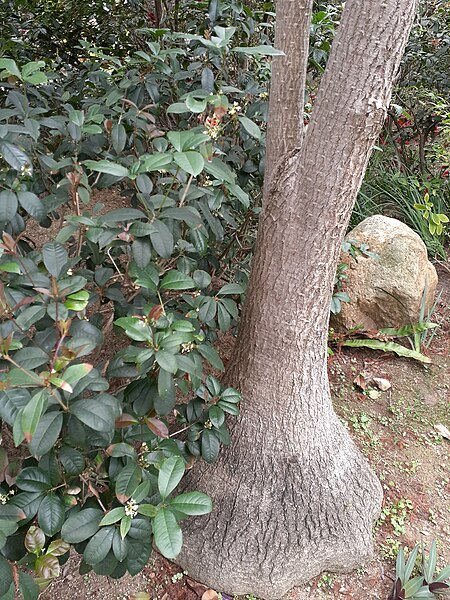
131 508
213 127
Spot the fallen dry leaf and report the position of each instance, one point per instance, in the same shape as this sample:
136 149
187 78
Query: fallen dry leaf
361 381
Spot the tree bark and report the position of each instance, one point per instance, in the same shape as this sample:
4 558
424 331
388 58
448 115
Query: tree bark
288 82
292 494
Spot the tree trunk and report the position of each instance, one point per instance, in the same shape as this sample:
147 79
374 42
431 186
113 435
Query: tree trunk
288 82
292 494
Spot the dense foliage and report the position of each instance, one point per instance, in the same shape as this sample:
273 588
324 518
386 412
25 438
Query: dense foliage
131 166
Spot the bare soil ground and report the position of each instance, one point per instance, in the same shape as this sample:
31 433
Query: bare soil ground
395 429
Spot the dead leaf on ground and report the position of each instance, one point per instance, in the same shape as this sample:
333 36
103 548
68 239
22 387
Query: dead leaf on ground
361 381
443 431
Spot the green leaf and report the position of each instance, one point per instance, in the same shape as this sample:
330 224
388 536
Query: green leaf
186 140
125 525
192 503
231 289
191 162
216 416
155 162
167 533
113 516
32 413
8 205
174 280
202 279
250 127
74 373
262 50
166 361
28 587
127 481
105 166
99 546
81 526
58 548
162 239
55 257
10 65
72 460
97 413
194 105
33 205
51 514
6 576
231 395
219 170
7 528
29 316
120 547
148 510
118 137
210 446
211 355
11 267
30 358
47 567
16 157
242 196
170 475
33 479
135 328
387 347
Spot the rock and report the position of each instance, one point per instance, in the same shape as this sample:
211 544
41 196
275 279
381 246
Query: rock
388 291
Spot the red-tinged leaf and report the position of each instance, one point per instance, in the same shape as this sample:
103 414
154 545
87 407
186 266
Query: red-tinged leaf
60 383
157 427
438 585
23 302
156 312
125 420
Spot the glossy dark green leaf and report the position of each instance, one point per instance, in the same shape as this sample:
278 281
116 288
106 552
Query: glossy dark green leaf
105 166
97 413
28 587
170 475
174 280
55 257
72 460
32 413
210 446
99 546
51 514
82 525
46 434
167 533
127 481
6 576
33 479
192 503
211 355
33 205
8 205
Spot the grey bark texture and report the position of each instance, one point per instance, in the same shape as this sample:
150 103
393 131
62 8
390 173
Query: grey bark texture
292 494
